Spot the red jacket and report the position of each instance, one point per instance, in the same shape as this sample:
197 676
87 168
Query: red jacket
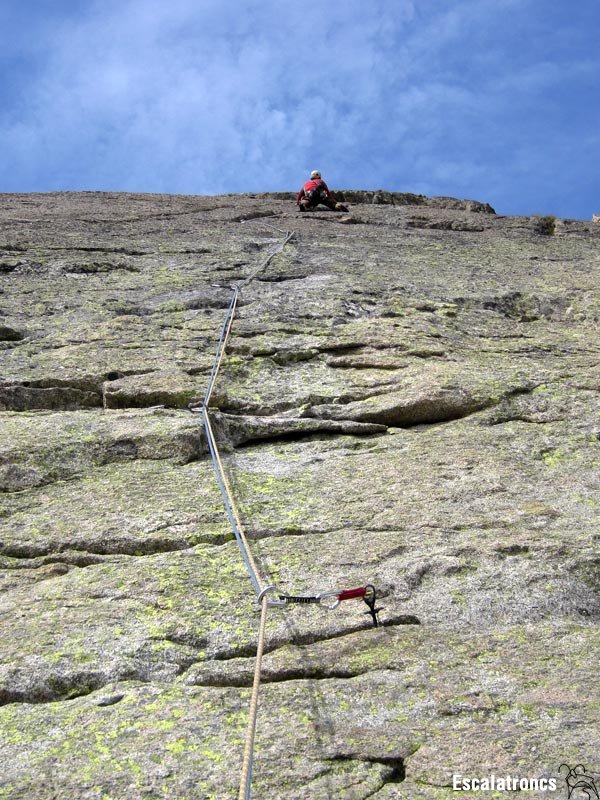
309 186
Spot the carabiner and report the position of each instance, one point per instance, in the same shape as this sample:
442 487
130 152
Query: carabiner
328 604
272 603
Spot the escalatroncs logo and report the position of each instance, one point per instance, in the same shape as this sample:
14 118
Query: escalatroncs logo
580 784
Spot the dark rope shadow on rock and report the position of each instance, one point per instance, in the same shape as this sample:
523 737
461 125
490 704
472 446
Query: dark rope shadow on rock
322 719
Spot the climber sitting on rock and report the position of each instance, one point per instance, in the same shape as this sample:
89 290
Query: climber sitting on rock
316 191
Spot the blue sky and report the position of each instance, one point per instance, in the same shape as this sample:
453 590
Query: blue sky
495 100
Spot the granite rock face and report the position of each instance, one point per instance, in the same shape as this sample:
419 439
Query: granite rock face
410 398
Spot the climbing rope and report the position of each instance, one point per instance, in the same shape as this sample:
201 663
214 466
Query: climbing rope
232 513
274 252
225 330
329 599
247 762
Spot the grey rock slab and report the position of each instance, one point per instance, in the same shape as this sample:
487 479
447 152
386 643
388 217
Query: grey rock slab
36 449
411 401
145 618
172 388
176 742
129 507
422 707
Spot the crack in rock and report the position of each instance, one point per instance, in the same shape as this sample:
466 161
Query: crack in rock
395 769
240 665
56 398
56 688
243 429
119 546
418 405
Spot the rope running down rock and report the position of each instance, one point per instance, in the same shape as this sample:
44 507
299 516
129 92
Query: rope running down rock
328 599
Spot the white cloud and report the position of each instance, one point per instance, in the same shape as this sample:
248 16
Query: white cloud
233 91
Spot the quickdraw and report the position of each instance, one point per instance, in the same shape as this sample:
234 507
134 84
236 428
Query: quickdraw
330 599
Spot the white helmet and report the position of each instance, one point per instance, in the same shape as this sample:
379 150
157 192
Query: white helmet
315 174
